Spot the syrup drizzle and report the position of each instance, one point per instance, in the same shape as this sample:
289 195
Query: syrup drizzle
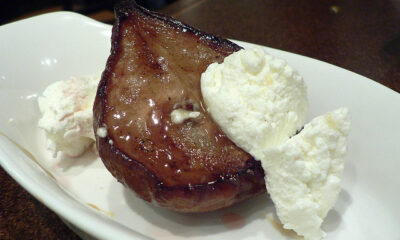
28 154
233 220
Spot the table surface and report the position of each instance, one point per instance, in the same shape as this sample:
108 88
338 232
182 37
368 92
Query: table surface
361 36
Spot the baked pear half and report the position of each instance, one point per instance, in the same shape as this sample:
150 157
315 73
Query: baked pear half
154 68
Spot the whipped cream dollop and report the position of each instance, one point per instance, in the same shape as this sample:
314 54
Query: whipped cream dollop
67 115
303 174
260 102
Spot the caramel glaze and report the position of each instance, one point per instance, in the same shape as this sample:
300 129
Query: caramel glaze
155 67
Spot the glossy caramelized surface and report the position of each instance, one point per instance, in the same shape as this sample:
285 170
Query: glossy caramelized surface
155 67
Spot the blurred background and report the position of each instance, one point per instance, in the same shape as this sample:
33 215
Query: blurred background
101 10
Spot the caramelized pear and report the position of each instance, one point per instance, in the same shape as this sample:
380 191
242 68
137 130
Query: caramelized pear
155 67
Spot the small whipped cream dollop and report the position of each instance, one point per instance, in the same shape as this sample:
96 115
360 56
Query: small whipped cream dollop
179 115
67 115
260 102
102 132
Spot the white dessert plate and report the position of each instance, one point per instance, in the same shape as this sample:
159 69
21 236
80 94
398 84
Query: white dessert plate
38 51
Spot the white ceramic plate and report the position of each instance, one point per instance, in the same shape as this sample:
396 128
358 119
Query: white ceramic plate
51 47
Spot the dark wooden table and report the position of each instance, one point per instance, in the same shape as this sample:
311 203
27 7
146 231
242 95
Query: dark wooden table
361 36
